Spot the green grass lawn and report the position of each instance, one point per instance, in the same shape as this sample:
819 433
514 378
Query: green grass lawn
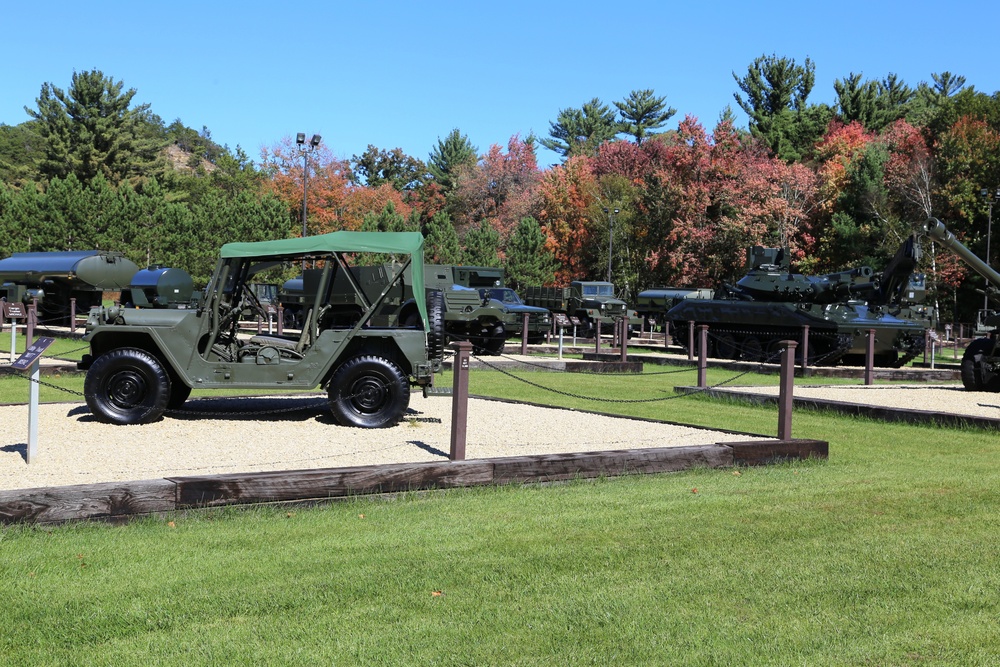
886 554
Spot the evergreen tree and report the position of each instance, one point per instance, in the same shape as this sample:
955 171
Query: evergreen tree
441 245
481 244
90 129
448 156
582 131
776 91
874 104
529 262
642 112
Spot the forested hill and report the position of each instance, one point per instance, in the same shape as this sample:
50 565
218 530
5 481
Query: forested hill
675 199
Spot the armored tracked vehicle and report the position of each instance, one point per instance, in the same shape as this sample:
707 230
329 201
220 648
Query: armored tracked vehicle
770 304
144 361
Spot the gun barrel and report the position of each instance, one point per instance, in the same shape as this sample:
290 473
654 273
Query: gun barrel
935 229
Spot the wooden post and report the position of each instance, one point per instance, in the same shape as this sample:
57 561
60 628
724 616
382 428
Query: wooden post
870 358
786 384
281 319
29 330
702 355
597 336
72 315
805 348
666 334
524 333
460 399
691 340
624 339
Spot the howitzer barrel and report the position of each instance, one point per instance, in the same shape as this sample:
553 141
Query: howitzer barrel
935 229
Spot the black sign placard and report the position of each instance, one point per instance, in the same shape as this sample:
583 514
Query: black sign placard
14 310
561 320
33 352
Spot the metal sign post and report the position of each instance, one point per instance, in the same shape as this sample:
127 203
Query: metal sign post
30 360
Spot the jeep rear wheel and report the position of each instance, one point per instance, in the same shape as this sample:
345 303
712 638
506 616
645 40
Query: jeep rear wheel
127 386
369 392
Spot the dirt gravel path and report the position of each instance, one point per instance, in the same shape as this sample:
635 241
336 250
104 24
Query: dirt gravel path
228 435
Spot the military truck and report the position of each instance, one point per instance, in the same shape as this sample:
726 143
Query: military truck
144 361
54 278
539 319
466 315
592 302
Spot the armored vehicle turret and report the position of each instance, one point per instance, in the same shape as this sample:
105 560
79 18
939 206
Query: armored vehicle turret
748 319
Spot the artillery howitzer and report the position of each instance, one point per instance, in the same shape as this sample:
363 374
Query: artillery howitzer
55 278
981 361
143 361
769 304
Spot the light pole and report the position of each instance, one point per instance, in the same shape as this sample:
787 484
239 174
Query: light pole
611 231
304 151
990 199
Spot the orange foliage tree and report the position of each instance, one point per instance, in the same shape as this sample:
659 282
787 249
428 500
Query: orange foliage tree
327 189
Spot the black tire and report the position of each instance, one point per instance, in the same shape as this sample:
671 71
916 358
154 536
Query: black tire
127 386
495 339
435 328
179 393
975 375
369 392
752 349
725 346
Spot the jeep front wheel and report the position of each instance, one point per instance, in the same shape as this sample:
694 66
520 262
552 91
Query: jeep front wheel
127 386
369 392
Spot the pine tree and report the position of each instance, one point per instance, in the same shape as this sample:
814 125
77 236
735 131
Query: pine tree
90 129
481 244
529 262
441 245
582 131
448 157
641 112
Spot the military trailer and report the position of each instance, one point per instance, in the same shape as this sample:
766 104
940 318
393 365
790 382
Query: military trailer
144 361
55 278
653 304
592 302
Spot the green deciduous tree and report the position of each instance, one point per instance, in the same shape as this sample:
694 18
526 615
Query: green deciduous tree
90 129
377 167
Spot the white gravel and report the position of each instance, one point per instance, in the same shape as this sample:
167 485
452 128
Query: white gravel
238 435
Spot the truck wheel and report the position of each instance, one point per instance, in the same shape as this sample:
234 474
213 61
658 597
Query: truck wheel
975 375
435 329
495 339
369 392
127 386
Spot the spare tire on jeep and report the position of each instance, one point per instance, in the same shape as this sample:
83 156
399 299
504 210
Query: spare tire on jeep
435 324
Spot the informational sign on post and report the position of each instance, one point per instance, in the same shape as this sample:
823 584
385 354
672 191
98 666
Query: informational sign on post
30 359
13 311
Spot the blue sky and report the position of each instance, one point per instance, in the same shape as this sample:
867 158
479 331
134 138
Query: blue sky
404 74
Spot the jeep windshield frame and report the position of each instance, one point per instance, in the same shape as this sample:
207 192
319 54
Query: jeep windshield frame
399 243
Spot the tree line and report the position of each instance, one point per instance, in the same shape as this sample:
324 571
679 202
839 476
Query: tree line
840 185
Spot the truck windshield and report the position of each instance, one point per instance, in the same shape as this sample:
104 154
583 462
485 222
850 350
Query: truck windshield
501 294
598 290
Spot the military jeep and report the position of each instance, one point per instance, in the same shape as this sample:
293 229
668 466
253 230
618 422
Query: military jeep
145 361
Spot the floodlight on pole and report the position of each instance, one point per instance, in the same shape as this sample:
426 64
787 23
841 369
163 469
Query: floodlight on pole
304 151
611 230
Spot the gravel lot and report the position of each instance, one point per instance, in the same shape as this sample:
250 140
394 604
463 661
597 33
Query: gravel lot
224 435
